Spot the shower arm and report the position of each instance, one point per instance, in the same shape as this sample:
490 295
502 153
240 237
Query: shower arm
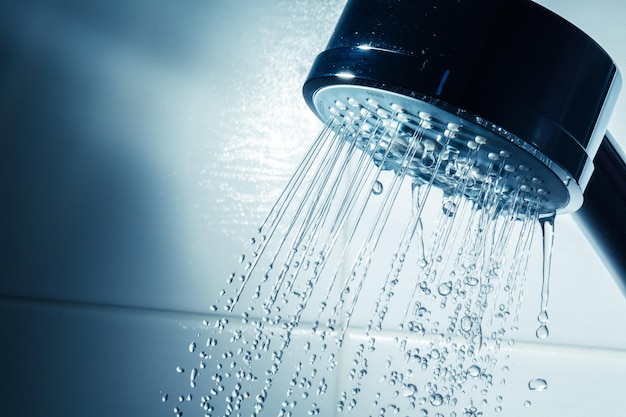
602 216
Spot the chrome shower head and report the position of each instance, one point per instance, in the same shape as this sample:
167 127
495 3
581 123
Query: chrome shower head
473 151
505 87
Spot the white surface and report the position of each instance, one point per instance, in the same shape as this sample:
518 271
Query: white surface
142 143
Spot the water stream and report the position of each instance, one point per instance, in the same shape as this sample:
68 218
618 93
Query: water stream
547 228
368 290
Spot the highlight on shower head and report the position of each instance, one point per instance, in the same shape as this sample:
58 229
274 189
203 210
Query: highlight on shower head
501 88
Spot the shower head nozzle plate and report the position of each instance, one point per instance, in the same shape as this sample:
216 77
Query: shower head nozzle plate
433 142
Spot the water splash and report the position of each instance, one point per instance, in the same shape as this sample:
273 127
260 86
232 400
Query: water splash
309 289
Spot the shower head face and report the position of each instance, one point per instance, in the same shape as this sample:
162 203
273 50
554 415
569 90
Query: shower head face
509 71
455 151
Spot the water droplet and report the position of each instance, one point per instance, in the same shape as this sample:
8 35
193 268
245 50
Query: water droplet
537 384
192 347
180 370
445 288
377 188
428 159
472 281
436 399
473 371
466 323
164 398
449 208
527 403
451 169
542 332
416 327
409 390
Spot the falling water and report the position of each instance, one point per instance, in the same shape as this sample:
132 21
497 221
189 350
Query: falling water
547 228
320 311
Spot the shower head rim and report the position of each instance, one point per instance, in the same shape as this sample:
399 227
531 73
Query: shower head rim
324 98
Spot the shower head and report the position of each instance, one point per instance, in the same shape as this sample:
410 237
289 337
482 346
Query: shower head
506 88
